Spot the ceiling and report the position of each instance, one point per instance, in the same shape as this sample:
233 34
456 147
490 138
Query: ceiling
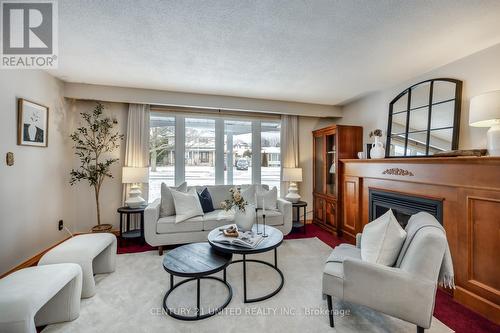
313 51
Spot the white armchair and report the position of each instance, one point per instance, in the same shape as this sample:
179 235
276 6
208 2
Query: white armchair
406 291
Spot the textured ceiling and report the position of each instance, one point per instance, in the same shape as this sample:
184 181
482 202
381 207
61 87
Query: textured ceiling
314 51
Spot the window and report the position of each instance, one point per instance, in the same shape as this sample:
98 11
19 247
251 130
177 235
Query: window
237 152
199 148
161 153
271 153
211 149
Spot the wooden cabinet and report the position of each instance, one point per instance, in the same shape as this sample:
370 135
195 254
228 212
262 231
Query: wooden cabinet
331 144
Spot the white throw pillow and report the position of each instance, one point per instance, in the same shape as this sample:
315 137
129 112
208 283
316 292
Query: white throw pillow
248 194
269 198
167 207
382 240
187 205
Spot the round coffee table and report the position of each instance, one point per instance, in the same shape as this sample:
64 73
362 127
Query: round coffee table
271 242
196 261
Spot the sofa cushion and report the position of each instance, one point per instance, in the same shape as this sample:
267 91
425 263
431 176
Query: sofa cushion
167 225
382 240
216 219
269 198
273 217
206 201
187 205
167 207
219 193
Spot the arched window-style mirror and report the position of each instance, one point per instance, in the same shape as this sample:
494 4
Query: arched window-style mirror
425 119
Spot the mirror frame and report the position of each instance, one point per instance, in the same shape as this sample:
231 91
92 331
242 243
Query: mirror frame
456 116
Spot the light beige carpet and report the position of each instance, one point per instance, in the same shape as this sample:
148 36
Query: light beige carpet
130 299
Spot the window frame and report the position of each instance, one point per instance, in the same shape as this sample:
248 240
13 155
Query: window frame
180 144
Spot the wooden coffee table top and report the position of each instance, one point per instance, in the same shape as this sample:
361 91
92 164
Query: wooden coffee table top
195 260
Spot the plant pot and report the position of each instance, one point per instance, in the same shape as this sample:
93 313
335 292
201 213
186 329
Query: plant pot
102 228
245 219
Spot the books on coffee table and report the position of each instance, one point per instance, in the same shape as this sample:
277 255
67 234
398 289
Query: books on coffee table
246 239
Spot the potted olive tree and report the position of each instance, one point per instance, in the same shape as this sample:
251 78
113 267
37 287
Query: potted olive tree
93 141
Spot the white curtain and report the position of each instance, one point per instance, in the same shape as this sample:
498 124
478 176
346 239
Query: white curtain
137 143
289 146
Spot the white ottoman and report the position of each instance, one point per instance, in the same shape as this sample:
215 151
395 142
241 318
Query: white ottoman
37 296
95 253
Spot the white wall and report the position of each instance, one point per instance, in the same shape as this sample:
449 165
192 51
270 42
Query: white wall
82 195
34 191
479 72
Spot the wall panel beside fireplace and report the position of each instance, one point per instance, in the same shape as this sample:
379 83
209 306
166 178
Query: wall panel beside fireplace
469 189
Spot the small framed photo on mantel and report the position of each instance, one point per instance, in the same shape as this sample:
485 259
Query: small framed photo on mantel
32 124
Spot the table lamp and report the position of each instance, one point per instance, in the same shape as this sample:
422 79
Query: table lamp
484 111
292 175
135 176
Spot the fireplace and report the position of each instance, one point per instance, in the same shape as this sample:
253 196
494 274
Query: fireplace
403 205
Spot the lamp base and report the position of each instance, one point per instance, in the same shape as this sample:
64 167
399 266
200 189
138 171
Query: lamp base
494 140
293 193
135 200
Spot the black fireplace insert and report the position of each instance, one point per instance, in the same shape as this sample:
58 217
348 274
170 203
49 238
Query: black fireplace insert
403 205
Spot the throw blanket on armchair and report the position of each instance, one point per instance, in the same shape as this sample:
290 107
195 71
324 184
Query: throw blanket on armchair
426 220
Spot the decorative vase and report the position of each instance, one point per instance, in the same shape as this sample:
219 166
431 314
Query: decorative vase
378 150
32 132
245 219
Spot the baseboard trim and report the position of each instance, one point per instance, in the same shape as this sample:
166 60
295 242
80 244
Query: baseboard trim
478 304
33 261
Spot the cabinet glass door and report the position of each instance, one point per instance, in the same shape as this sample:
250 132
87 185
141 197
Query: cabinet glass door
331 165
318 164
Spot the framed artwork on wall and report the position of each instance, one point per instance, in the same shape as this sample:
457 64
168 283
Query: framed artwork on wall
32 124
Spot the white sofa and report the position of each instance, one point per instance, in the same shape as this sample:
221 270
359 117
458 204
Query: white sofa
160 231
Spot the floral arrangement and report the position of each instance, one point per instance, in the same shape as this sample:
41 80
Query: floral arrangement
377 132
235 201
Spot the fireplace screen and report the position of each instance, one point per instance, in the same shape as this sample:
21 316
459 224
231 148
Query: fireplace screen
403 205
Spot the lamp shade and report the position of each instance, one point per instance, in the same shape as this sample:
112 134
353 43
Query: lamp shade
484 109
292 174
131 175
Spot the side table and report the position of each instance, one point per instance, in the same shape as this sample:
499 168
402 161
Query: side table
296 222
135 233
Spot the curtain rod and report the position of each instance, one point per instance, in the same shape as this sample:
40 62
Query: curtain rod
215 112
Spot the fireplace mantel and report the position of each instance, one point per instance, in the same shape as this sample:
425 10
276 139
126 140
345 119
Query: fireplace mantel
470 190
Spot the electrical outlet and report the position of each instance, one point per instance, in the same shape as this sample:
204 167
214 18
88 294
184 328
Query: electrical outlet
60 225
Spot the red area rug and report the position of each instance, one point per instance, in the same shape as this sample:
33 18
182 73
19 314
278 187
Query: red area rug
452 314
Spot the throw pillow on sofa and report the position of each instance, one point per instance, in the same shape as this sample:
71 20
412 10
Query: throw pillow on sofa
187 205
206 201
268 198
248 194
167 207
382 240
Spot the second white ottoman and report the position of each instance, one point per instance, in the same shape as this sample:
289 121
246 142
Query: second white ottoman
95 253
